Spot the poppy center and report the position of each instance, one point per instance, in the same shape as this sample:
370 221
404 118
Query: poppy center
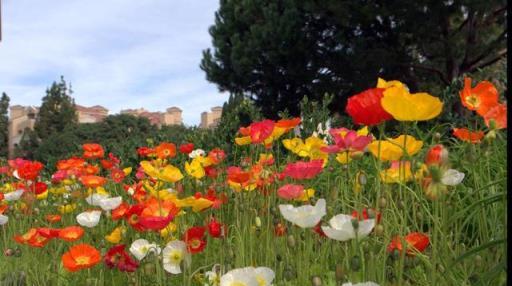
175 256
473 100
82 260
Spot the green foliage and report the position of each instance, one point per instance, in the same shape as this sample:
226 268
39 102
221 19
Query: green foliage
57 110
275 52
4 124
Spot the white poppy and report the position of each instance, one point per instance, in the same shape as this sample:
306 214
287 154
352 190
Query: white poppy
196 153
89 219
342 229
241 276
173 254
264 276
213 277
95 199
141 247
13 196
3 219
304 216
452 177
369 283
110 203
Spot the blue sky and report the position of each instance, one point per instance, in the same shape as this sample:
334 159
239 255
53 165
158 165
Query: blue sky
116 53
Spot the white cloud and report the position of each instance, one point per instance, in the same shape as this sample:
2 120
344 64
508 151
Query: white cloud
116 53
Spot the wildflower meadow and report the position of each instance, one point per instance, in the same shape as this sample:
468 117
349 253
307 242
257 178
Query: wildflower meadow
392 198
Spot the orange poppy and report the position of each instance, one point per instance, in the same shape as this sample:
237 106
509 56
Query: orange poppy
415 241
93 151
80 256
165 150
288 124
71 233
469 136
71 163
92 181
120 211
498 114
90 170
481 98
51 218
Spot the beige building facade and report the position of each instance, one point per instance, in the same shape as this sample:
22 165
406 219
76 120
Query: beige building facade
211 119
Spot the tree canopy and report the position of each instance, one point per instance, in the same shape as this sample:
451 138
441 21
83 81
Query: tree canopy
276 52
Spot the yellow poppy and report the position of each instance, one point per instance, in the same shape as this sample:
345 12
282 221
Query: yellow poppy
404 106
127 171
381 83
195 169
393 149
306 195
42 196
116 235
246 140
310 148
169 173
343 158
68 208
397 173
170 228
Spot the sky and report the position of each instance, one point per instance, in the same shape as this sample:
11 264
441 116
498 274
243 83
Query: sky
116 53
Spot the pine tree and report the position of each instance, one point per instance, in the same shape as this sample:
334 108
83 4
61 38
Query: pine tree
57 110
4 125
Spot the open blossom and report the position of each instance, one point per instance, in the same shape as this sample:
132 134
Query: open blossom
415 242
290 191
392 149
117 257
3 219
248 276
80 256
89 218
93 151
141 247
465 134
348 140
304 216
303 170
480 98
365 108
174 254
345 227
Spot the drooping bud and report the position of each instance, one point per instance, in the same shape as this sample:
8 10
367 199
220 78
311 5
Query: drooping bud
355 263
437 155
257 221
290 240
382 202
316 281
355 224
339 273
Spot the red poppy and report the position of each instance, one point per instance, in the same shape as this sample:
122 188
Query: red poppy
303 170
93 151
481 98
194 239
107 164
211 172
236 175
186 148
155 222
290 191
92 181
71 233
30 170
217 229
216 155
288 124
80 256
261 130
145 151
365 107
132 216
48 232
33 237
165 150
469 136
436 155
51 218
120 211
117 175
117 257
71 163
40 188
415 242
498 114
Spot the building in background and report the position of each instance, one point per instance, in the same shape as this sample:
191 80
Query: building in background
211 119
172 116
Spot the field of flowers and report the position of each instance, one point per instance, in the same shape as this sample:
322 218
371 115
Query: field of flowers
337 207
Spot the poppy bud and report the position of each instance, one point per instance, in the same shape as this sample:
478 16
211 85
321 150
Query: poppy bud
8 252
382 202
490 136
149 268
279 257
339 273
379 230
440 268
478 260
355 263
290 241
362 178
437 137
17 252
437 155
316 281
257 221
